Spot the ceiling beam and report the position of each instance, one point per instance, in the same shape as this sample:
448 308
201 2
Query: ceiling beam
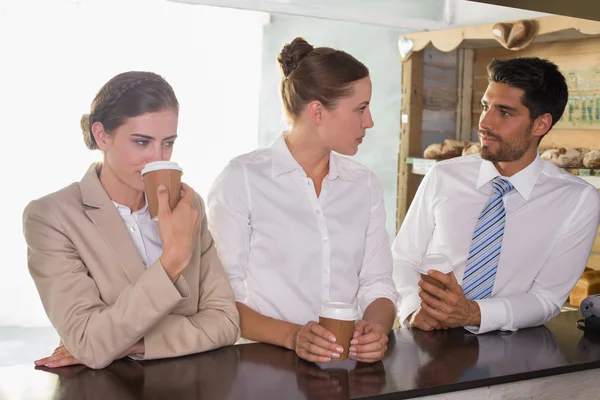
326 12
586 9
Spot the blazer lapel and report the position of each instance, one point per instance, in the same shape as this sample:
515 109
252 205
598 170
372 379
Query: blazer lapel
104 215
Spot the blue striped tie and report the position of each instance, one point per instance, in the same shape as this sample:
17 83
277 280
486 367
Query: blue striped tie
480 270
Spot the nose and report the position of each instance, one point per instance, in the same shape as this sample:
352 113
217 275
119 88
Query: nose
368 120
486 121
158 152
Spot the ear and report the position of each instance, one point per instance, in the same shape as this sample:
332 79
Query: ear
102 138
541 125
315 112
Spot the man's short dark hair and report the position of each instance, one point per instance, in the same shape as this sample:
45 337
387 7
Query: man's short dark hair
544 86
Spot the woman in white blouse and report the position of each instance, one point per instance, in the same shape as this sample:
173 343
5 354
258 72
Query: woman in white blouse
296 225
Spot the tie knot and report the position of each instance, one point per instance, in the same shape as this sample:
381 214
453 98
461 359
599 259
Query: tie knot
501 186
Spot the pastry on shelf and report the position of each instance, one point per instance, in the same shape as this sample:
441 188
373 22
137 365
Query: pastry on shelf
441 151
471 148
588 284
592 159
565 157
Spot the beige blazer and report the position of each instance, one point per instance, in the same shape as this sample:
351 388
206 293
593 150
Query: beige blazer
100 297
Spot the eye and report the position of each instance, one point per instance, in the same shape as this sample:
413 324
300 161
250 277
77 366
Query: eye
362 109
142 143
484 107
505 114
169 144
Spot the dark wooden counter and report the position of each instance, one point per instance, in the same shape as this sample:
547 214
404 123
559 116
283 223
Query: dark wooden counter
417 364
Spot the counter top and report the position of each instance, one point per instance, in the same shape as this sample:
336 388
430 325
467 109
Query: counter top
417 364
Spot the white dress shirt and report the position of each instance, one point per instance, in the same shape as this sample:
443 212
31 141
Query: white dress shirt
143 231
551 223
285 249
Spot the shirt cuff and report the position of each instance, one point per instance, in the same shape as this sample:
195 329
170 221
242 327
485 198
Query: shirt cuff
495 314
240 290
408 305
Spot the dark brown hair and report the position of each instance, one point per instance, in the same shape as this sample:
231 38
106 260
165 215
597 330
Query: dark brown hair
127 95
544 85
320 73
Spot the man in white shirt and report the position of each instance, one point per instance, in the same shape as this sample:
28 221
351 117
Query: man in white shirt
518 230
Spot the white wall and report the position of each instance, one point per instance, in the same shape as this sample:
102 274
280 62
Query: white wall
56 54
376 47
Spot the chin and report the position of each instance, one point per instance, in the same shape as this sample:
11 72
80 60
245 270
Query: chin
139 186
351 151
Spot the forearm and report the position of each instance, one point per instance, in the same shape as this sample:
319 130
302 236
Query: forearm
258 327
178 335
381 311
102 333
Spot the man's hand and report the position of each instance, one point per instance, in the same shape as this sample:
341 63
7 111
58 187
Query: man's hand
369 342
421 320
450 307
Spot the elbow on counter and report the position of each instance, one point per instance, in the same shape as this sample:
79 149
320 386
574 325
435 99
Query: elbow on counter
231 326
91 359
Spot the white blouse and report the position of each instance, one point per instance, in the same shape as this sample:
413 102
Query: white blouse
286 250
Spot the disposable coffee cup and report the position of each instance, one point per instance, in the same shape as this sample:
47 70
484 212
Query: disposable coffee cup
339 319
158 173
437 262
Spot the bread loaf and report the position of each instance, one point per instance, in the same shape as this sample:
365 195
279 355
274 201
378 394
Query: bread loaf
471 148
563 157
592 159
588 284
448 149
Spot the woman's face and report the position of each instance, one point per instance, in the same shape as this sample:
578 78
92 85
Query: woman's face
140 140
345 126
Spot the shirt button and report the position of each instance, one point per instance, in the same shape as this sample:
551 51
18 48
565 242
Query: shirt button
318 212
132 229
325 239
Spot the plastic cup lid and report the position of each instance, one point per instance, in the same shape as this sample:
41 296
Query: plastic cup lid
438 262
339 310
159 165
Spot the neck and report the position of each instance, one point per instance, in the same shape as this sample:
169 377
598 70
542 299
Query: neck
509 169
119 191
308 151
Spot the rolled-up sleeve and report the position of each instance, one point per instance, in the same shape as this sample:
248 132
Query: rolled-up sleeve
228 205
375 278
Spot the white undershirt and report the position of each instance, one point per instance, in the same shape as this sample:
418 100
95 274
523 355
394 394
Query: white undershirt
143 232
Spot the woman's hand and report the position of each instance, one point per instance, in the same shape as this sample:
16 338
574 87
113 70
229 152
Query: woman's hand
314 343
63 358
178 230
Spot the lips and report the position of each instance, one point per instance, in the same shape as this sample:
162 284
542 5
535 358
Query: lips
487 138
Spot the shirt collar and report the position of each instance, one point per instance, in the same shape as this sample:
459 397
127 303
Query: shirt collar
126 210
523 181
283 162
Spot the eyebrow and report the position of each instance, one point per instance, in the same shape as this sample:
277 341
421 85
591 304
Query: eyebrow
500 106
139 135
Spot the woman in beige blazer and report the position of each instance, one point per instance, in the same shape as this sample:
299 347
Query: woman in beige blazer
113 282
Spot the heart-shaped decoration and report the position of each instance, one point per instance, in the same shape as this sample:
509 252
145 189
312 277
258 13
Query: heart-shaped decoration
405 45
501 31
515 36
